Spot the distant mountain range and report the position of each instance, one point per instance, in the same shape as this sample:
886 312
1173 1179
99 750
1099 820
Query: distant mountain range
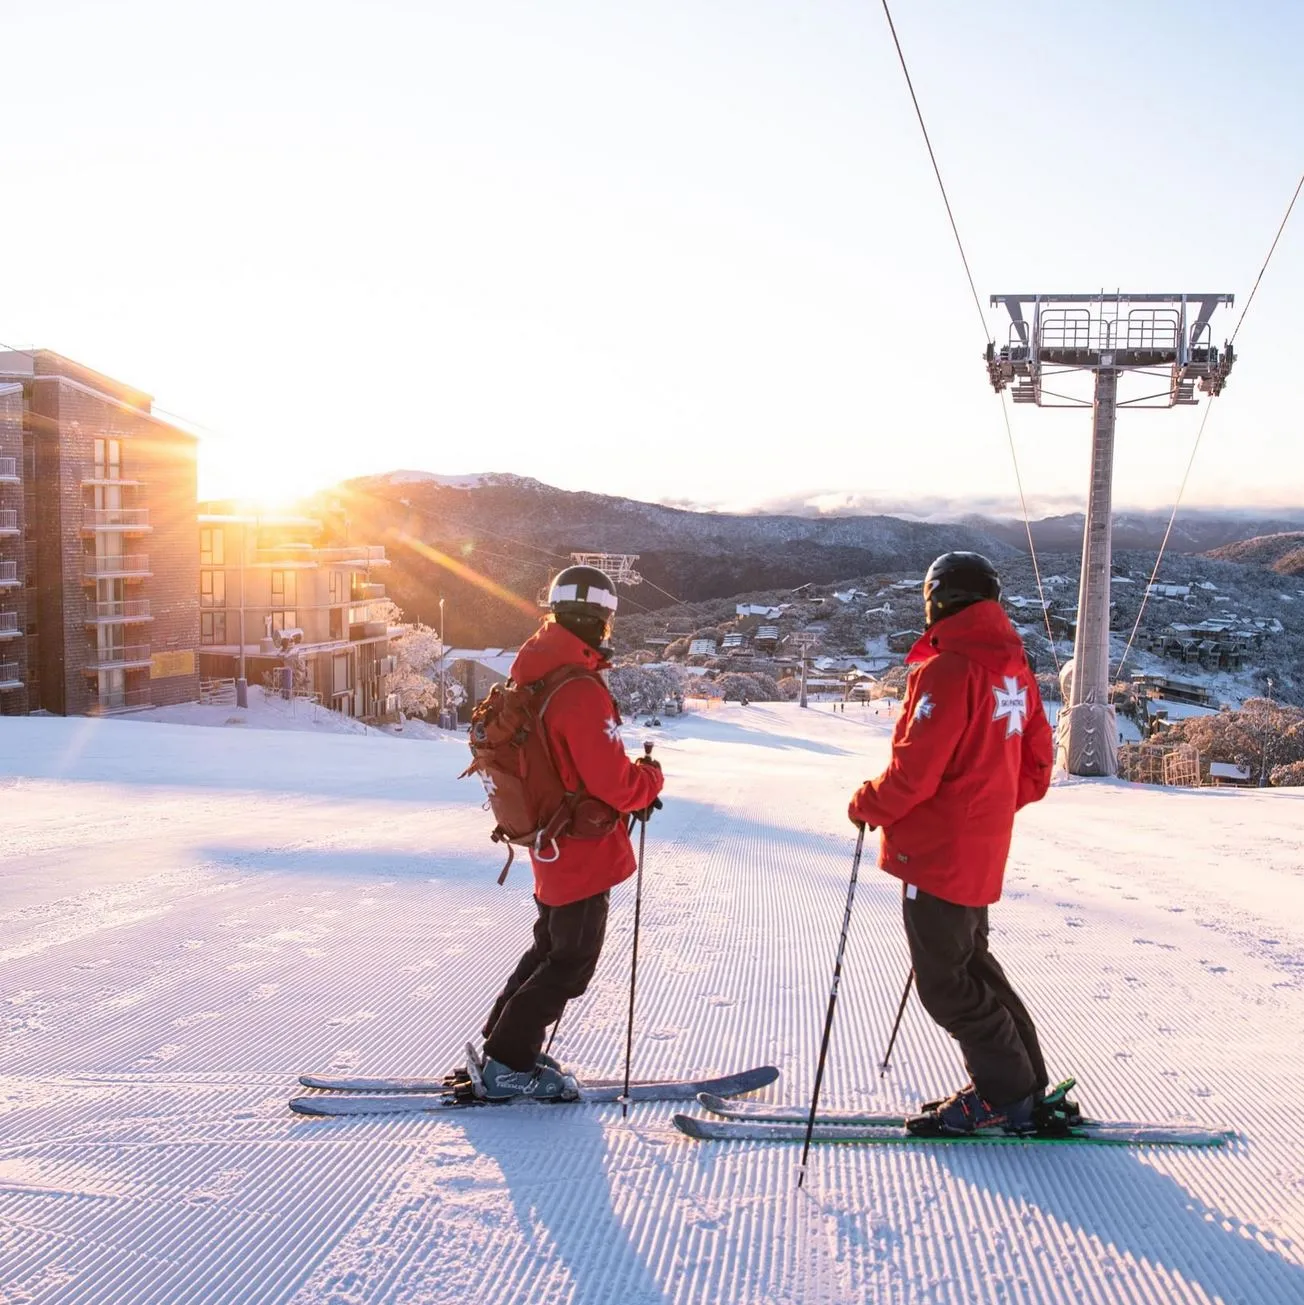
513 532
1197 530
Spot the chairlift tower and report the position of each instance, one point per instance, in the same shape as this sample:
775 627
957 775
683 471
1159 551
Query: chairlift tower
1156 335
805 640
619 566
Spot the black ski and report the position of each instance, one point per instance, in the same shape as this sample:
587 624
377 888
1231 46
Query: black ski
454 1095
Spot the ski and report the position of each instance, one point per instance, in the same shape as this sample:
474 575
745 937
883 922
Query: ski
890 1128
397 1100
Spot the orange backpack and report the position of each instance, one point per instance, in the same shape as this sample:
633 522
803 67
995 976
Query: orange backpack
511 754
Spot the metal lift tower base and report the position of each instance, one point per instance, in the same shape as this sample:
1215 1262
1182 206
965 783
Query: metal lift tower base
1088 732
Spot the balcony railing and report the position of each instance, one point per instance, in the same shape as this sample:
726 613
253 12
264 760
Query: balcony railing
108 476
10 675
9 624
125 565
115 518
8 468
108 613
112 659
8 573
8 521
124 700
363 593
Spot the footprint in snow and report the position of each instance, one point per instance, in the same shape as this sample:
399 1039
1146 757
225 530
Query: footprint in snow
1074 923
1150 942
1214 969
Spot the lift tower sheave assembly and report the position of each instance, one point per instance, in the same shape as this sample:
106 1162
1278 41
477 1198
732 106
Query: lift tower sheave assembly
1165 336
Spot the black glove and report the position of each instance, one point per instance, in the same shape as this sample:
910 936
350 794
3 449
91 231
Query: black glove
646 812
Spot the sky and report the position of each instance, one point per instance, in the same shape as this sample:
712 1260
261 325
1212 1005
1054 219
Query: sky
685 250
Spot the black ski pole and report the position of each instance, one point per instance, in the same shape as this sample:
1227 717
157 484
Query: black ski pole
633 963
553 1034
901 1010
833 1001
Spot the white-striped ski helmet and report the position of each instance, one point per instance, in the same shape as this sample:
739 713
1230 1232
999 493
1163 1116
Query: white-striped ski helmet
583 591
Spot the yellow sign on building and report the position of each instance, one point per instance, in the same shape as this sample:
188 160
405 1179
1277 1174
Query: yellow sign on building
165 664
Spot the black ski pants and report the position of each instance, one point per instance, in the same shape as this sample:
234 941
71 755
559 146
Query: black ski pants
964 989
558 966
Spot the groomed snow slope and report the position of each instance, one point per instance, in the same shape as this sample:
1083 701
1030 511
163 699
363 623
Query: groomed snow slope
192 916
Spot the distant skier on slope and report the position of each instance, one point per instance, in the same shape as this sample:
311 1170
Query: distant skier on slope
573 876
972 746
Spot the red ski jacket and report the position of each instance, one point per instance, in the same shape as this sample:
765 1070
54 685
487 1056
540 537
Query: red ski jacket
972 746
583 728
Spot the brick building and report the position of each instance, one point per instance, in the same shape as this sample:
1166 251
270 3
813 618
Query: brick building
267 584
98 610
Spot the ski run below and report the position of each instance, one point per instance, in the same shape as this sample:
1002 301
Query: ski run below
193 916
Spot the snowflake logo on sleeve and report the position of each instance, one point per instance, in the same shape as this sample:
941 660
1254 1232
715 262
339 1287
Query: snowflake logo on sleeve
1011 705
924 707
613 729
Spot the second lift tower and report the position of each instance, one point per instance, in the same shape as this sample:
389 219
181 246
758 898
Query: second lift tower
1163 336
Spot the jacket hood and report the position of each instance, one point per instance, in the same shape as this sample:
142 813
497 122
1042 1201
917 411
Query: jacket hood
982 632
552 646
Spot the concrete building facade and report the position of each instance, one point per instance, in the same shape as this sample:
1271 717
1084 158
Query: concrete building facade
268 586
98 610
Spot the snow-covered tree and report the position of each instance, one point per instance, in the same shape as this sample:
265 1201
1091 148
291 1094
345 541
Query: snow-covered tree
415 677
1262 737
643 688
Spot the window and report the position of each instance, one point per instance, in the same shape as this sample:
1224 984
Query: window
212 589
336 624
340 673
211 551
338 593
212 627
283 620
283 589
108 459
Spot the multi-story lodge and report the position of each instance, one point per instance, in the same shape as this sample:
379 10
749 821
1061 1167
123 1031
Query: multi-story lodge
98 610
270 588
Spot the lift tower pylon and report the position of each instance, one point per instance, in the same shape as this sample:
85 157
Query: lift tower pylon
1108 335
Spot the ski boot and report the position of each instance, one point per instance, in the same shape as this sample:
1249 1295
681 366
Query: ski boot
500 1082
966 1112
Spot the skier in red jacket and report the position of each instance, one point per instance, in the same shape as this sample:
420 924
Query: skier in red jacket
571 890
972 746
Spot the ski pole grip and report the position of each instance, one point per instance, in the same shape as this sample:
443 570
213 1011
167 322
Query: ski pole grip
647 747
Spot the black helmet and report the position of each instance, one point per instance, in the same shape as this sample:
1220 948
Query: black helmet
956 581
583 599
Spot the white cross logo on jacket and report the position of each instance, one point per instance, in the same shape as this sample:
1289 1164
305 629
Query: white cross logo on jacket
1011 705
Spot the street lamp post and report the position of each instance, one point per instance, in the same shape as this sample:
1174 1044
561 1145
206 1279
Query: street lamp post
443 648
1267 734
242 681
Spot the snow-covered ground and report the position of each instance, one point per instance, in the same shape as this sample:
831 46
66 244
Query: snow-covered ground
191 916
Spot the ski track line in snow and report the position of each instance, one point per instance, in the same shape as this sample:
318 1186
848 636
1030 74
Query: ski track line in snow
260 931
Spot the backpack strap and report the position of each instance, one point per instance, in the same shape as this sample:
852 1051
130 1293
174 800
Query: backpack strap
560 822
